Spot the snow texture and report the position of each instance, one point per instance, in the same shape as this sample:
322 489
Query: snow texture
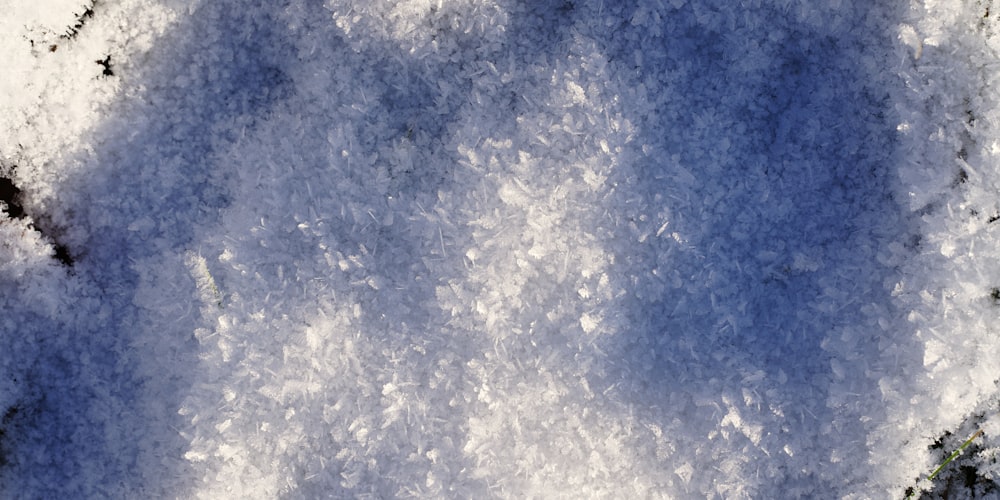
498 248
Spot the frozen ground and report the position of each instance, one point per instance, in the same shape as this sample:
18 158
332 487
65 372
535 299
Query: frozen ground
472 248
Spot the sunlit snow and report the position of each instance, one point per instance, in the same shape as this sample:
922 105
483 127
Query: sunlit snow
498 248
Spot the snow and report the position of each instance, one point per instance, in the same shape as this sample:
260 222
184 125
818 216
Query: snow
490 248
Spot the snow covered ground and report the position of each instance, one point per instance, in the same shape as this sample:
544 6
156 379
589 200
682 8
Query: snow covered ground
511 249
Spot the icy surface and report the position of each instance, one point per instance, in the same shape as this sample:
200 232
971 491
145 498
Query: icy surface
476 249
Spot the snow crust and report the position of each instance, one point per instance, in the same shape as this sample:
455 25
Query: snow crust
478 249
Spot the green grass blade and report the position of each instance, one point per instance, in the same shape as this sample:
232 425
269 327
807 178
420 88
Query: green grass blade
951 457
